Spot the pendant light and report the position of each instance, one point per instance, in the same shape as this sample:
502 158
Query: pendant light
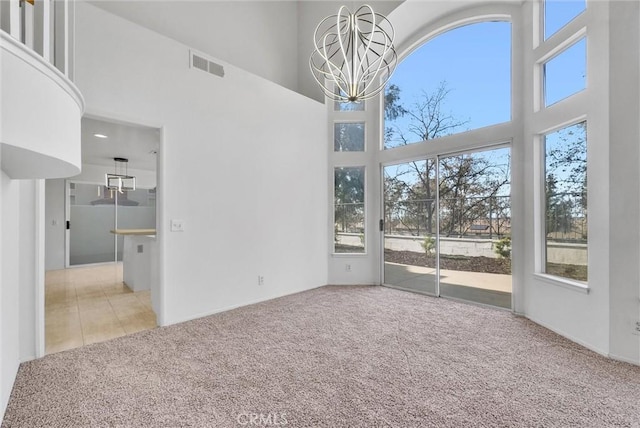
354 55
120 180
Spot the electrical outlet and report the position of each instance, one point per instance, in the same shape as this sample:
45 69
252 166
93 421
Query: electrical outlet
347 267
260 280
177 226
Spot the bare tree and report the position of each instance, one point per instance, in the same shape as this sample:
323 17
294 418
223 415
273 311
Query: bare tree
468 184
426 117
566 184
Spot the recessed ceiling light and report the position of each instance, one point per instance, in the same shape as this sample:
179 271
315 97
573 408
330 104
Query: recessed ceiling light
100 136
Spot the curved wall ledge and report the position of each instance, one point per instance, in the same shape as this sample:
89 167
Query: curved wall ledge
40 112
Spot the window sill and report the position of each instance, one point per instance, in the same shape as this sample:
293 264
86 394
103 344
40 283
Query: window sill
348 255
564 283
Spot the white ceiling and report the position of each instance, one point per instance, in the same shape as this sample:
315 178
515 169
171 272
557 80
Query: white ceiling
134 142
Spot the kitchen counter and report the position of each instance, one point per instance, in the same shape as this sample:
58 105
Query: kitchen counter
138 258
133 231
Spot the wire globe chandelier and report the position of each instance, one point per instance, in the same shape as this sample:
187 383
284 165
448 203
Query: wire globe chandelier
354 55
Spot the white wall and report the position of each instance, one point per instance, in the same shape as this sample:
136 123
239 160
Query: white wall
17 282
624 185
54 224
257 36
242 161
9 297
27 265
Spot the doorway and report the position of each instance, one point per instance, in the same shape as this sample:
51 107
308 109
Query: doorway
87 298
447 226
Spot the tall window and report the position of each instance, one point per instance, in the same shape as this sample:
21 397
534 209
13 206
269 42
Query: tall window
558 13
348 137
349 210
565 177
566 73
458 81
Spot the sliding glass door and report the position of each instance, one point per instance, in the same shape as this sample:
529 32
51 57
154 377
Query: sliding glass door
91 217
94 211
474 211
447 224
410 226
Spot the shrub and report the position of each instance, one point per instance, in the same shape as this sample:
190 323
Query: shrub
503 248
429 244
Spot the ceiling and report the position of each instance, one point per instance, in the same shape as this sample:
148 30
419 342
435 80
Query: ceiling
137 143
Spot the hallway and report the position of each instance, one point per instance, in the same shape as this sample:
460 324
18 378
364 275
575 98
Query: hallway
91 304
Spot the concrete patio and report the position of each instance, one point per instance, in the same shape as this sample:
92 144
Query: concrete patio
486 288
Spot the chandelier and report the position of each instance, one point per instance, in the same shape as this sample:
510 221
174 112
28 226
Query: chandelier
354 55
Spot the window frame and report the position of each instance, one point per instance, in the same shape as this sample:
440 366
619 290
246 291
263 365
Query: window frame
543 21
558 51
350 122
364 210
540 271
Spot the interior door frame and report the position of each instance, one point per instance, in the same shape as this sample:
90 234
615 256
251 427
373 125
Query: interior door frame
67 222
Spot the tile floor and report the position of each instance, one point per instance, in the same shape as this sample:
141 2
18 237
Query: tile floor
91 304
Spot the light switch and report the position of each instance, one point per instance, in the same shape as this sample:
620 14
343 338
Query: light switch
177 226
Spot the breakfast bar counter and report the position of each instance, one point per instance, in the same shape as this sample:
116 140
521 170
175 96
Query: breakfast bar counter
137 257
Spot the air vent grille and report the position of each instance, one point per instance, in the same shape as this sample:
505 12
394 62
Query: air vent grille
216 69
200 62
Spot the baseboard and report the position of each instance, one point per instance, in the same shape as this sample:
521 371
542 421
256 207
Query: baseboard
239 305
352 284
28 358
5 394
570 337
624 359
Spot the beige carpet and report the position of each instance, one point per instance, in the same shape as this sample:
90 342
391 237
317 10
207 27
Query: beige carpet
332 357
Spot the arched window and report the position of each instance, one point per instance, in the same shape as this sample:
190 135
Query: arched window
455 82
